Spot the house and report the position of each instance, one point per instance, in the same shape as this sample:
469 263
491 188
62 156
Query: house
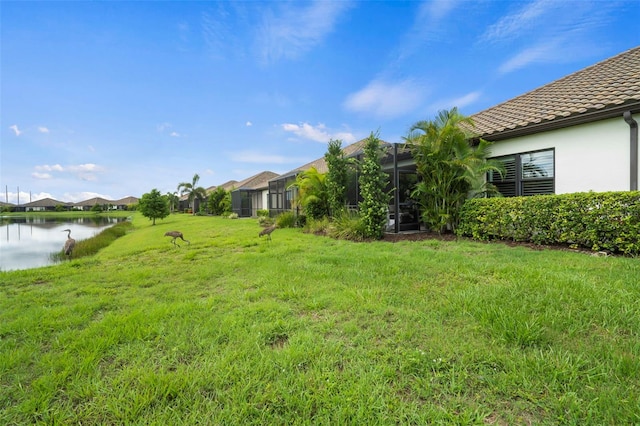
576 134
6 206
282 196
396 161
88 204
45 204
579 133
251 194
124 203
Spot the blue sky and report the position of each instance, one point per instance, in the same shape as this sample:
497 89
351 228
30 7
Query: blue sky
113 99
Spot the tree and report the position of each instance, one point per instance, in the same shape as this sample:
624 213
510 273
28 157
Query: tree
217 204
336 180
174 201
192 191
154 205
450 168
312 193
373 181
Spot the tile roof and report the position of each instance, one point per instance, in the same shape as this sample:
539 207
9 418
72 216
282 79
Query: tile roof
126 201
227 186
259 181
321 165
93 201
610 84
45 202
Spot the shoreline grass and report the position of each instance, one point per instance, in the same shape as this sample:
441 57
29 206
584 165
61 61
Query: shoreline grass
310 330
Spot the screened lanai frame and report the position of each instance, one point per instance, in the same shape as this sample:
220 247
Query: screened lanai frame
396 161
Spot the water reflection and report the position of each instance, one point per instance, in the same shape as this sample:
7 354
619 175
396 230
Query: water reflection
28 242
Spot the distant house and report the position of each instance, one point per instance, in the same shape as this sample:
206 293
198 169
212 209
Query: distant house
576 134
282 196
396 161
45 204
124 203
7 206
90 203
251 194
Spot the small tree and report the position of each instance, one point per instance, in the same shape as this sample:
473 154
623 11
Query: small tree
312 193
450 168
336 181
154 205
373 181
217 206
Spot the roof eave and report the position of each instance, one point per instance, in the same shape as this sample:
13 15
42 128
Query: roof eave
559 123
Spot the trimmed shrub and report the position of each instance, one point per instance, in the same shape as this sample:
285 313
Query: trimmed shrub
608 221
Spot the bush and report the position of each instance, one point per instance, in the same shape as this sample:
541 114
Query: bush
607 221
263 213
349 227
265 221
286 220
317 226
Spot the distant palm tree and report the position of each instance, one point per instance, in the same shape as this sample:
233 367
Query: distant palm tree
173 201
192 191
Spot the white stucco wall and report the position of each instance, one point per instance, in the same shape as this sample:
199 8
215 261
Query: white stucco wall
588 157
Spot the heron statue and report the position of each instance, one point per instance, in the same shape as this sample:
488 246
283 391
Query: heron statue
69 244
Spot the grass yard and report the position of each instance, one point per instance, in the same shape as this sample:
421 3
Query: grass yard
234 329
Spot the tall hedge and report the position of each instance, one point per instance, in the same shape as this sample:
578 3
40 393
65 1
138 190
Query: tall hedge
607 221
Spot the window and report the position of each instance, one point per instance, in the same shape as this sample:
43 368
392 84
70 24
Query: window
529 173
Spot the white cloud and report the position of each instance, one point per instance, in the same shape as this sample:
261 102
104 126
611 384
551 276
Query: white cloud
543 52
460 102
24 197
37 175
81 171
89 167
43 129
175 134
515 24
439 9
386 100
318 133
248 124
252 156
48 168
15 129
163 126
75 197
296 29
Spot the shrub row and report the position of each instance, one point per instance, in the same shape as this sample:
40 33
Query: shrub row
608 221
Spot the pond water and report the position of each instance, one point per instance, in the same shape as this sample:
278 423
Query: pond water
29 242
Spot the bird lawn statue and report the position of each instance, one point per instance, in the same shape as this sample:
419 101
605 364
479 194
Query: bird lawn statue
176 234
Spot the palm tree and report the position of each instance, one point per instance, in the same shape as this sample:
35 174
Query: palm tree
192 191
173 201
450 168
312 193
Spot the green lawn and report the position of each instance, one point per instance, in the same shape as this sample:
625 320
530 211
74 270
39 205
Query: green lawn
309 330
